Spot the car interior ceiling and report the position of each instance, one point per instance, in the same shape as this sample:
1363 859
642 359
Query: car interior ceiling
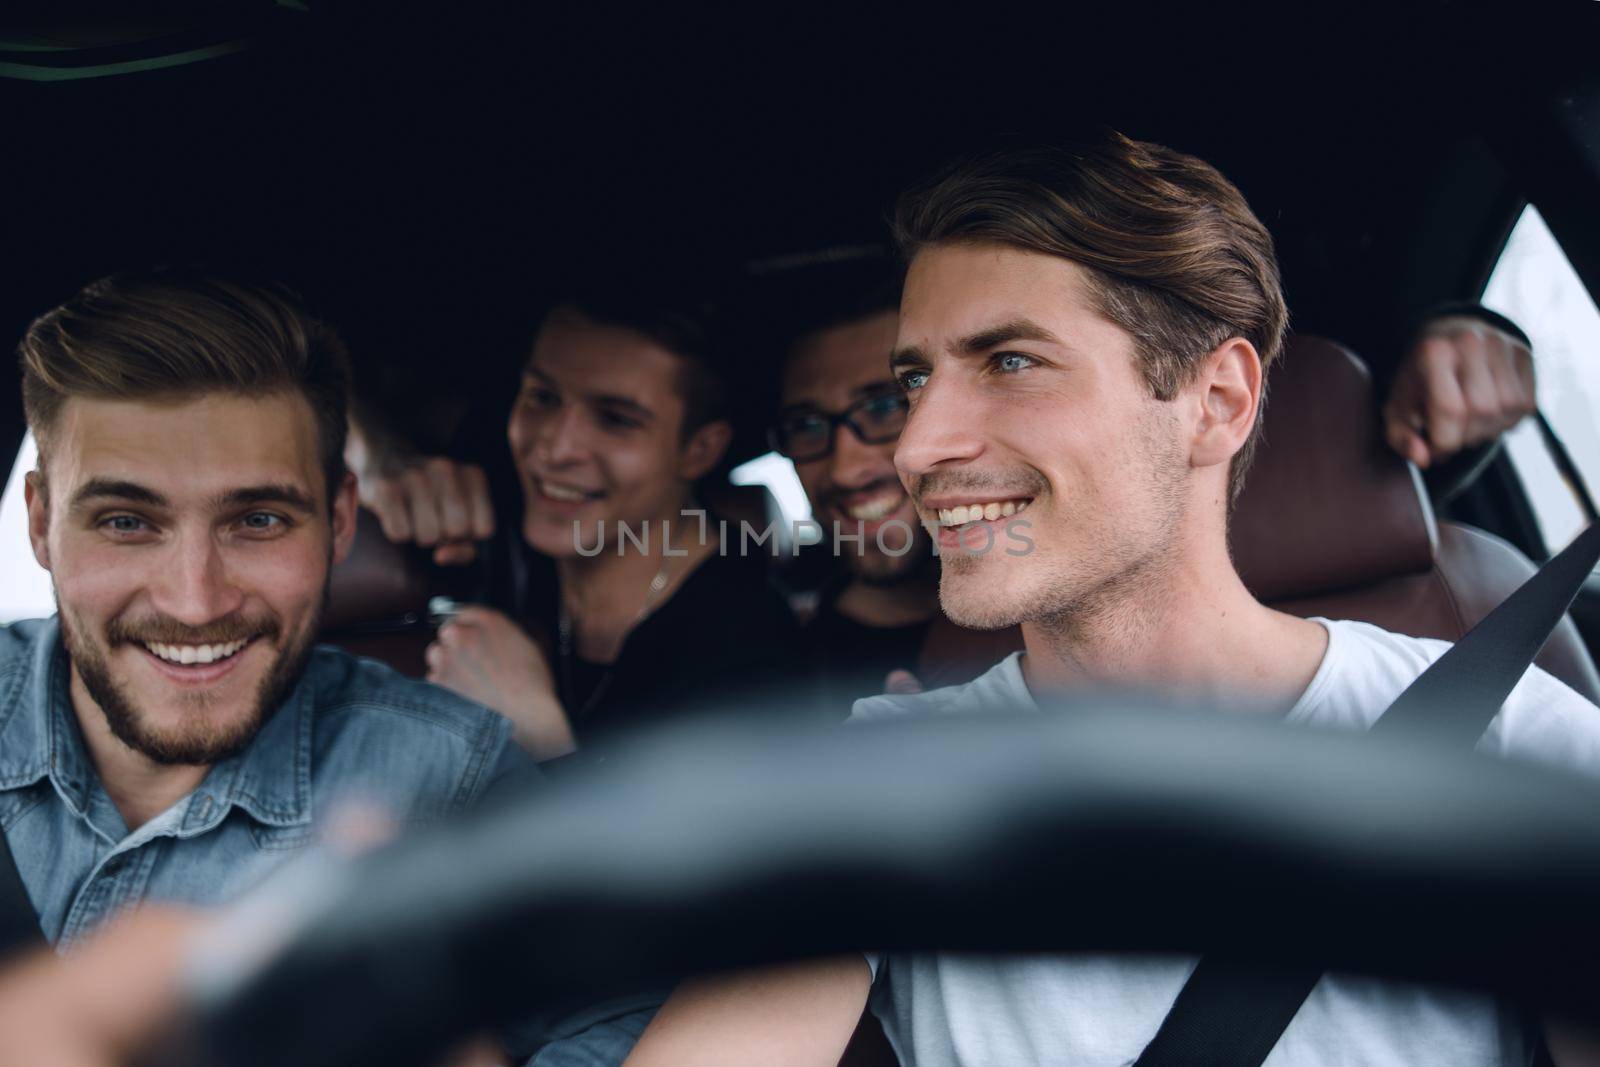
426 176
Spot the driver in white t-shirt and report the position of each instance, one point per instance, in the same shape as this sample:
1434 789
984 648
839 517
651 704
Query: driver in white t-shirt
1083 336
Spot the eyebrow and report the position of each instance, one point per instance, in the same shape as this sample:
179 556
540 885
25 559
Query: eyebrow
1005 333
627 403
272 493
980 342
112 489
615 400
99 489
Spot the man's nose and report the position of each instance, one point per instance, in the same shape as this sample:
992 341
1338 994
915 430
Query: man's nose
196 587
559 436
940 429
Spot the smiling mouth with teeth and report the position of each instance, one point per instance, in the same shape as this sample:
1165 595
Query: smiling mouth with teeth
962 514
185 655
564 493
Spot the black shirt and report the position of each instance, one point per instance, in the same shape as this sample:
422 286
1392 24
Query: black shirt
723 641
852 658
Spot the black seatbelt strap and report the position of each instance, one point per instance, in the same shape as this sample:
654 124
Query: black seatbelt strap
1457 697
1230 1014
19 923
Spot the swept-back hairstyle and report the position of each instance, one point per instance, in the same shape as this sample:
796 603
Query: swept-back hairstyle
1173 254
176 334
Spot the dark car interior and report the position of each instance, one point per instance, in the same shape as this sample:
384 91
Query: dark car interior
427 174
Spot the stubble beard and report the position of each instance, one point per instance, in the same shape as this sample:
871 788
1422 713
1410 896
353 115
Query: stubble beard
1113 574
201 741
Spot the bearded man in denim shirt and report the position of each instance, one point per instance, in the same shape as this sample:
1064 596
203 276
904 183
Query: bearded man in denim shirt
173 732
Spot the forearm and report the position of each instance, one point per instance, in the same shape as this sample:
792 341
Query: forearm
800 1015
542 729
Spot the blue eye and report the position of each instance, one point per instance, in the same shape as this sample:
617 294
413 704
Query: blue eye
125 524
262 522
913 379
1011 362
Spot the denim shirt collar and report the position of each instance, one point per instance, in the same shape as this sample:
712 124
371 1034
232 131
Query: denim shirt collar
270 780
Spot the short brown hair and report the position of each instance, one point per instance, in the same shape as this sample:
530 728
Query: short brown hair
173 333
684 327
1173 253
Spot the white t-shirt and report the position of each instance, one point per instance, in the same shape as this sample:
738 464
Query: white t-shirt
969 1010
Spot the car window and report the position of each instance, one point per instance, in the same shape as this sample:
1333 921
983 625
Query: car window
24 585
1535 286
777 474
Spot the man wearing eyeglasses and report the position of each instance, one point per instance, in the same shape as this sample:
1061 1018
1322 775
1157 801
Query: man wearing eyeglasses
1467 377
839 416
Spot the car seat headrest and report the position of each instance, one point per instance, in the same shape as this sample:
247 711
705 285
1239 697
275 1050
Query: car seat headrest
1327 504
378 582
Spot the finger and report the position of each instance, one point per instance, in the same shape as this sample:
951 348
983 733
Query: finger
1481 392
478 615
389 504
1409 443
449 497
900 681
424 513
478 501
1514 401
455 553
1444 408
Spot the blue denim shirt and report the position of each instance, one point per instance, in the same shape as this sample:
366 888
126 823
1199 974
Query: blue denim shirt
352 728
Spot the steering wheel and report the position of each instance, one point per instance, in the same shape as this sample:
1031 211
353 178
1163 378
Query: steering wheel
1118 826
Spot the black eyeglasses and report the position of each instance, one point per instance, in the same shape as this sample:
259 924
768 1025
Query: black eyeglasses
808 435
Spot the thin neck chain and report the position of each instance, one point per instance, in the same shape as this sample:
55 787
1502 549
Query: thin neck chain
564 640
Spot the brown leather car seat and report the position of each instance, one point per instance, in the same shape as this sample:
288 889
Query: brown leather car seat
1332 522
378 601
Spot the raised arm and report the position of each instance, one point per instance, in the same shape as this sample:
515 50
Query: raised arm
434 501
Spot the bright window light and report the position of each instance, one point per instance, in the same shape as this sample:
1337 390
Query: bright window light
25 591
1535 286
777 474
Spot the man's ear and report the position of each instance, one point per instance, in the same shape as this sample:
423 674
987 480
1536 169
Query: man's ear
704 450
344 517
38 500
1227 391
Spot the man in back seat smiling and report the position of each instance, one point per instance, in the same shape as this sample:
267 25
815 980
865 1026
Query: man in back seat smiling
172 732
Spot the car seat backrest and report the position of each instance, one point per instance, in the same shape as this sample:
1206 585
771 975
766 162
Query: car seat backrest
1332 522
378 601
